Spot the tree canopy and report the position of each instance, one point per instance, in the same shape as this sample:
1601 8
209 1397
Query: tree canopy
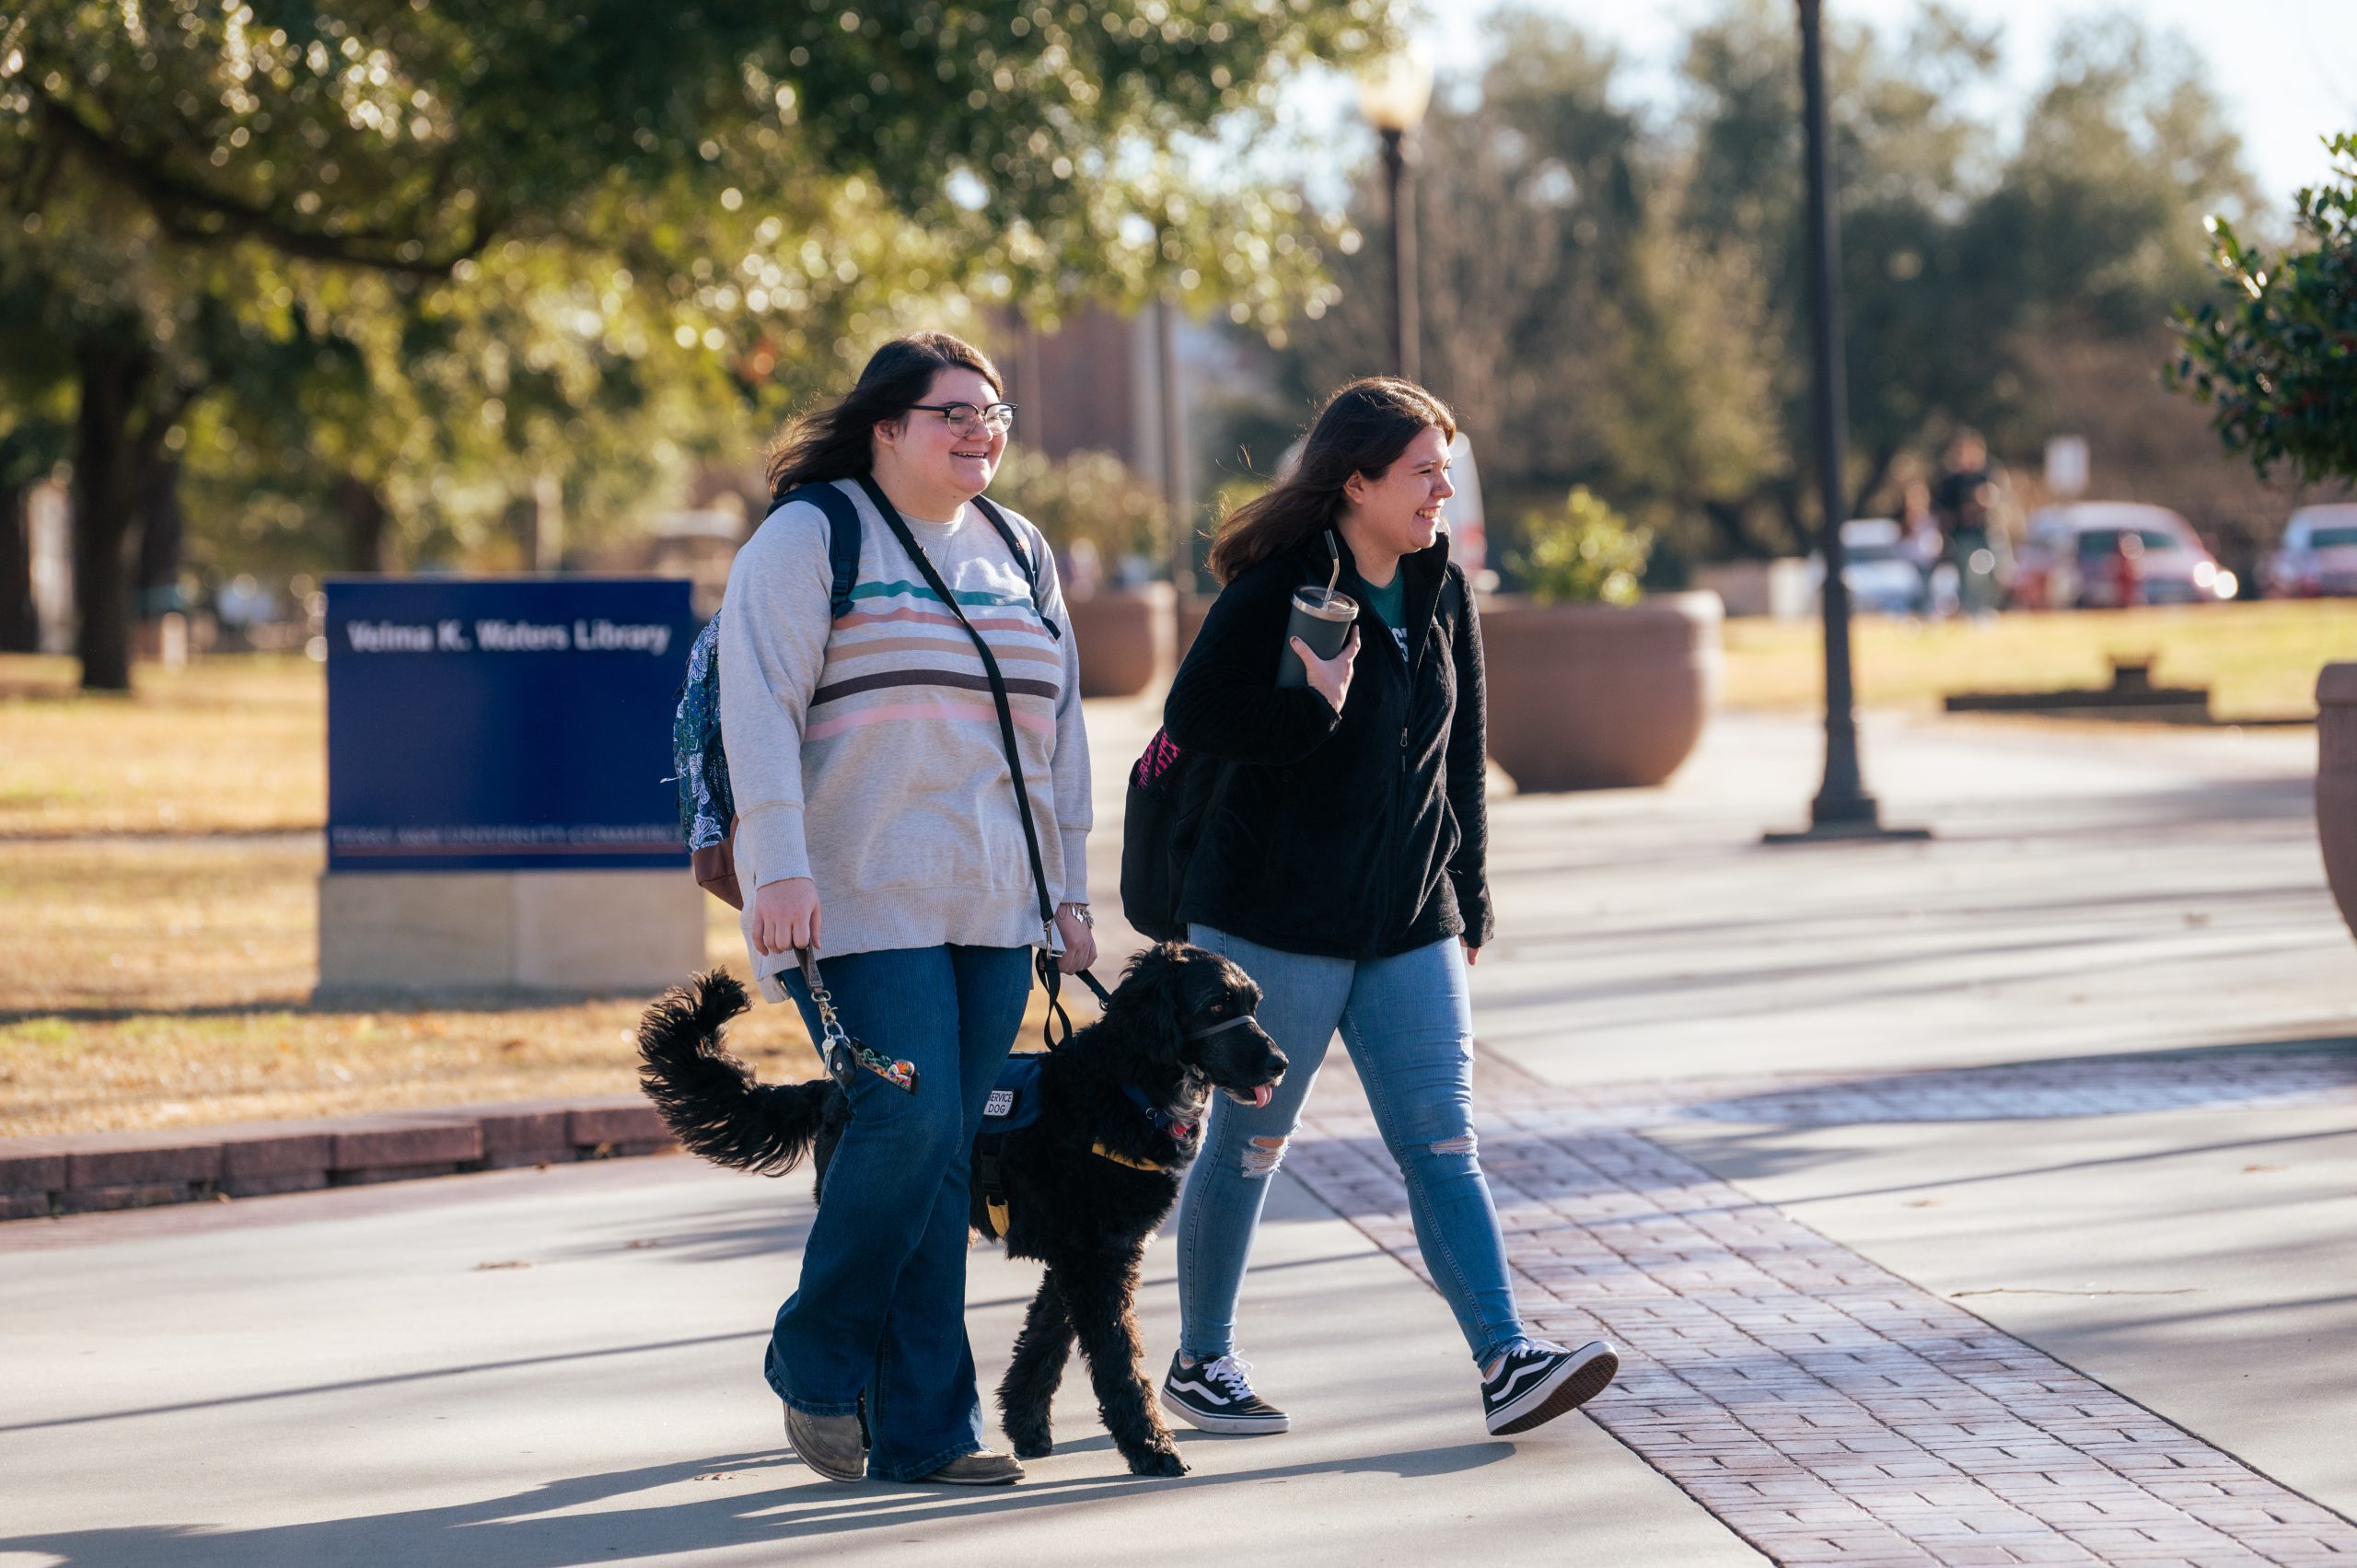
2278 361
407 250
1615 297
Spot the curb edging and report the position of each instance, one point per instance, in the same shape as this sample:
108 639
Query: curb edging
52 1176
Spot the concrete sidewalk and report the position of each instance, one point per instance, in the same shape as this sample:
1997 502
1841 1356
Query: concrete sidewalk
533 1368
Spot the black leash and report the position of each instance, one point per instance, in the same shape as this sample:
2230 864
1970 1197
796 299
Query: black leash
1056 1014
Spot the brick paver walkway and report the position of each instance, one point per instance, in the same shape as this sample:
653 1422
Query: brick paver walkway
1826 1410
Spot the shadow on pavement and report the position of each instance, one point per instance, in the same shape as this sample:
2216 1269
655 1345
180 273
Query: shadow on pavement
1757 1160
2125 1084
390 1380
515 1531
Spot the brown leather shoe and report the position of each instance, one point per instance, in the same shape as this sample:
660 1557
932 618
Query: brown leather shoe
828 1444
982 1468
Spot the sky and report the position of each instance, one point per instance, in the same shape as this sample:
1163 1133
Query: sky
2285 69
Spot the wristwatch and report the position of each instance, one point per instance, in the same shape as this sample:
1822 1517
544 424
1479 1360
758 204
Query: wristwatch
1086 919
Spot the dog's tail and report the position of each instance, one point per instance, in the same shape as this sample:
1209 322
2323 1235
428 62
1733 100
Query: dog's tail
710 1099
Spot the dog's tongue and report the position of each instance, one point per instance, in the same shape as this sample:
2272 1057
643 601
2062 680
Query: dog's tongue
1264 1094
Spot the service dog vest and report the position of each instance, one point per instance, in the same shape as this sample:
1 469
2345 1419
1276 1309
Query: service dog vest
1014 1103
1013 1106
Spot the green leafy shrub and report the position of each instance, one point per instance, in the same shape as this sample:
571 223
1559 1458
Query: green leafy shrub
1583 552
2278 361
1090 496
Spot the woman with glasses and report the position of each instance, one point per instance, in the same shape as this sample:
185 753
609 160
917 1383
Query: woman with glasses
1342 863
876 826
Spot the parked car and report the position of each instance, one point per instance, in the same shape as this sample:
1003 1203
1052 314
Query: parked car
2101 554
1882 572
2318 554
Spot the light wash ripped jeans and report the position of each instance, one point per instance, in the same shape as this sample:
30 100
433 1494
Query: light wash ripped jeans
1408 1023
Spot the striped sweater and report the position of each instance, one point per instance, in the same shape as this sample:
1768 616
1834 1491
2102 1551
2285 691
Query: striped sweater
865 754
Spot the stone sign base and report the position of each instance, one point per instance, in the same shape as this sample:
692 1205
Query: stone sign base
425 934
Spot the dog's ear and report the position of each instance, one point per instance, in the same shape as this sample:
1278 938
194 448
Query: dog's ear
1153 996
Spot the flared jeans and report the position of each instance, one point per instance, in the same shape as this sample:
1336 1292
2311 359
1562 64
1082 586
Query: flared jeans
879 1317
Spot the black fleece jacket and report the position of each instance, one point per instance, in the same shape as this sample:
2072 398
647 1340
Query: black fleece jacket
1356 835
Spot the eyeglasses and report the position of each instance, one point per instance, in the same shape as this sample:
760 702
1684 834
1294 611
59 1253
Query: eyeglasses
966 419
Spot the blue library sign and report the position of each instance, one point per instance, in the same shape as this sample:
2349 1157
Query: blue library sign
503 724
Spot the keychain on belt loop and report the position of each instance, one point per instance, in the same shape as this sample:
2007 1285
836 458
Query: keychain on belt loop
840 1051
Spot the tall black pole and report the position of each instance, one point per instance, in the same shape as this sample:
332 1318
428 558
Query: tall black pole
1175 477
1404 328
1842 800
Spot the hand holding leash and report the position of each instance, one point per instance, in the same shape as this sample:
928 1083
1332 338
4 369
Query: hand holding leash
1079 939
785 916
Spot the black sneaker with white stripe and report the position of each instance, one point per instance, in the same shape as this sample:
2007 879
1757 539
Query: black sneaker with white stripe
1217 1396
1536 1381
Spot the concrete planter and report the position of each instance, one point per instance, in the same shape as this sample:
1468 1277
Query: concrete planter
1125 637
1592 696
2337 783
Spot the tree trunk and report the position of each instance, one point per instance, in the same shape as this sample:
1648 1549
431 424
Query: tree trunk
1787 491
107 470
1878 470
1726 517
162 528
19 625
367 539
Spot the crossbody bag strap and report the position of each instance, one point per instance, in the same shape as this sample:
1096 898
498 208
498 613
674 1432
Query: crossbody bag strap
1022 558
1050 976
924 564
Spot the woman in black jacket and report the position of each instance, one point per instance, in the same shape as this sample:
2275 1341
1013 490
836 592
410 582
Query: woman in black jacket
1342 862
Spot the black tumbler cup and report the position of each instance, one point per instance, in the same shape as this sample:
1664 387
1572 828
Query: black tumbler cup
1322 619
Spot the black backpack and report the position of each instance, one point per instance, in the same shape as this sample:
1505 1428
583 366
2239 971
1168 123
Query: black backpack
1169 786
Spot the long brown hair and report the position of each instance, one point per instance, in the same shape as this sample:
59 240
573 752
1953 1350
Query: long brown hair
839 441
1362 429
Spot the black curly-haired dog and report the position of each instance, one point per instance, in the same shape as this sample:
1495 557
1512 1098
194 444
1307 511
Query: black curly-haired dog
1121 1106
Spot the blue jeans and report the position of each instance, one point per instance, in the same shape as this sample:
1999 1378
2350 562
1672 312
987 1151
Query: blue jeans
881 1307
1408 1023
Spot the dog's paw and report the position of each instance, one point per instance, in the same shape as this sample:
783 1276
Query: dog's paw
1029 1447
1157 1461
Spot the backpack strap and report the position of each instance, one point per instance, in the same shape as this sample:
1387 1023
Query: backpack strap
989 508
842 539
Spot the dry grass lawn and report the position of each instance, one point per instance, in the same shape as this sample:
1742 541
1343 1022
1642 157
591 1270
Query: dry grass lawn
166 983
230 745
2259 660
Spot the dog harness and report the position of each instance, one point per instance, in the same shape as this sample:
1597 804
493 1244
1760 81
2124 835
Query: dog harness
1014 1105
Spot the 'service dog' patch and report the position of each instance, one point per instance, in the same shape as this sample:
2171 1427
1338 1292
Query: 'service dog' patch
1014 1103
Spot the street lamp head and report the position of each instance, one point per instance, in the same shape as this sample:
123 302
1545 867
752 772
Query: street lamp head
1395 90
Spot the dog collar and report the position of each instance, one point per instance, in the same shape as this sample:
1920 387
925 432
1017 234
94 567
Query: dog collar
1177 1132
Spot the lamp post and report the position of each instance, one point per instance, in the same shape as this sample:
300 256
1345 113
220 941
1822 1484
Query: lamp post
1393 96
1843 808
1176 503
